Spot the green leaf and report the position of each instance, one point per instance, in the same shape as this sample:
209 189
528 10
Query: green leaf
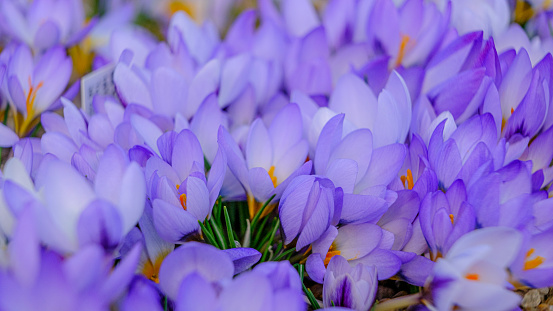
230 233
208 235
290 251
218 233
270 238
258 214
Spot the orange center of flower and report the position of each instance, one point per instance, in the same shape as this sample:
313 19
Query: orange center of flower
272 175
451 217
402 45
182 199
472 276
523 11
532 263
151 270
176 5
331 253
408 179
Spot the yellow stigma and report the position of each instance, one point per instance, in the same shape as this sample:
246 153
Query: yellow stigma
532 263
151 270
331 253
408 179
451 217
176 5
402 45
472 276
272 175
523 11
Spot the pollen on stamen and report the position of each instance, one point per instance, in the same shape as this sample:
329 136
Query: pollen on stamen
182 200
532 263
403 44
451 217
512 110
272 175
472 276
408 179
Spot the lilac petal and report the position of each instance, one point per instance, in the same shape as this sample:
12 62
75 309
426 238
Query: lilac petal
196 293
233 78
212 264
99 224
121 275
291 162
289 299
385 164
354 98
7 137
205 125
186 151
261 184
259 147
300 17
348 244
24 250
330 136
130 87
100 130
111 168
236 161
132 196
251 287
147 130
358 146
168 88
417 270
216 175
362 208
315 268
317 224
204 83
172 223
197 198
322 245
343 173
156 247
46 36
243 258
85 268
67 194
285 130
142 297
59 145
387 264
53 122
515 83
240 35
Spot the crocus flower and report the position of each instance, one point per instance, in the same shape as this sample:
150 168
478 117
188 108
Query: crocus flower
33 87
273 156
490 16
45 23
36 278
309 205
446 217
532 266
351 287
260 289
472 274
375 248
177 186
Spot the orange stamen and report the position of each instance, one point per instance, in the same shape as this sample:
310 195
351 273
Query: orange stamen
331 253
151 270
472 276
451 218
532 263
272 175
408 179
182 200
512 110
402 45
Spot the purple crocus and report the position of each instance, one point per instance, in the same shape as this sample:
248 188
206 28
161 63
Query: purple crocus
347 286
473 272
532 267
273 156
36 278
309 205
32 87
177 185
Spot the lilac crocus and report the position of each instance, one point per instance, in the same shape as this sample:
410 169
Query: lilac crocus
177 185
45 23
273 156
309 205
532 267
375 248
33 87
473 272
36 278
347 286
446 217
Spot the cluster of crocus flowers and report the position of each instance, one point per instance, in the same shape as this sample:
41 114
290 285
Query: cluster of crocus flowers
275 155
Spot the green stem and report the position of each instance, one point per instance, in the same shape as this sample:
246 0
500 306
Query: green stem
398 303
218 233
230 233
258 215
